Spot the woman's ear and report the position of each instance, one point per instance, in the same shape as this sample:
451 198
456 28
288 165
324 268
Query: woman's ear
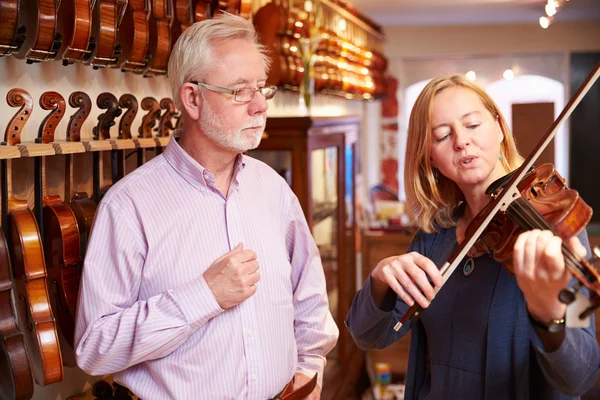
188 94
500 132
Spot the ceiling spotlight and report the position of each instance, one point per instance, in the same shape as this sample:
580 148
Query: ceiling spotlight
550 8
509 75
545 22
471 75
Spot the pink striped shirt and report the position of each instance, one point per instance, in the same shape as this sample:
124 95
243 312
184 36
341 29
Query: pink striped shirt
146 313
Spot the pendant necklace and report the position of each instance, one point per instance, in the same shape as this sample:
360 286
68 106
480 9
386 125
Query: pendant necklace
469 266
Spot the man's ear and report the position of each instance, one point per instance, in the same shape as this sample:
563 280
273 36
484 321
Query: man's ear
188 94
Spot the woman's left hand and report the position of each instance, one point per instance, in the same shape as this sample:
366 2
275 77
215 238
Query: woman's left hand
540 271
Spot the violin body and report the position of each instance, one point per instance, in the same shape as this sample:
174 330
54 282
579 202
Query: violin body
17 383
62 253
270 22
134 37
160 23
11 35
106 17
42 40
75 28
545 190
35 314
84 209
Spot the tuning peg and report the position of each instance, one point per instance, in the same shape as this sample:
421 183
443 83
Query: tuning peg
567 295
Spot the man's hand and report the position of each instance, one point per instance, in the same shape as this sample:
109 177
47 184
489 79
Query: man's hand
232 278
300 380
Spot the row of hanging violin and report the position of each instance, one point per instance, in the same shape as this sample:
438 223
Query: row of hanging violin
134 35
161 117
42 245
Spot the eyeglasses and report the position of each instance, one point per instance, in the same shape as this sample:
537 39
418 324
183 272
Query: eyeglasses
243 95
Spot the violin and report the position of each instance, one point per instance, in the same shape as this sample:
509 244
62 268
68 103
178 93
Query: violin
61 241
134 35
75 28
530 199
184 11
42 40
106 101
161 19
106 19
35 316
270 22
83 208
16 384
12 35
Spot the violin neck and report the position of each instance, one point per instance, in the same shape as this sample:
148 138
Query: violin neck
527 217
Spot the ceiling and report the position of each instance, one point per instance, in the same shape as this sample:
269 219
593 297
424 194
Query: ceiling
460 12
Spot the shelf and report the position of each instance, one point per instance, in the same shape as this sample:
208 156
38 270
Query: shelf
353 18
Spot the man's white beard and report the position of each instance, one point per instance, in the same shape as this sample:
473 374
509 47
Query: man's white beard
228 137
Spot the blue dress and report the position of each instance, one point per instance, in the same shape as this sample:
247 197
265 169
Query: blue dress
475 341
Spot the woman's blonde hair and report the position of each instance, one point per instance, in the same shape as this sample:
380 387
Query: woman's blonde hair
435 202
192 55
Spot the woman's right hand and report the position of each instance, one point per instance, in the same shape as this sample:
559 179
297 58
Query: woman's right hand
407 275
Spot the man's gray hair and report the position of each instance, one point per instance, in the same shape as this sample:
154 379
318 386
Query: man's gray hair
192 55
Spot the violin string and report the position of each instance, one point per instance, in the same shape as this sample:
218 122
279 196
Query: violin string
525 211
528 217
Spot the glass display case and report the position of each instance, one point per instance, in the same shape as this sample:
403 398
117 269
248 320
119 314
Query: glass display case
318 158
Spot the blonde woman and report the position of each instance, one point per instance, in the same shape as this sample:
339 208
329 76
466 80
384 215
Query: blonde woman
487 334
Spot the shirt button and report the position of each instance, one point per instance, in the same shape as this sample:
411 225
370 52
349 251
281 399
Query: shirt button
250 333
254 377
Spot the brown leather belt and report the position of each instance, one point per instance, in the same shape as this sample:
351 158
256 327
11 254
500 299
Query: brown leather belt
288 392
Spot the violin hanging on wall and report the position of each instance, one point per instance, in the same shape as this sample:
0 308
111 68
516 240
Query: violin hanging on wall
12 35
106 19
35 316
160 23
15 381
61 239
133 37
42 41
75 28
81 204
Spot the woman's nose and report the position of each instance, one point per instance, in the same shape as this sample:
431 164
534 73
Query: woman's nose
461 138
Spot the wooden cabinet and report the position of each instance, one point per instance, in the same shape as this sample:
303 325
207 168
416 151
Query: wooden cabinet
318 158
375 246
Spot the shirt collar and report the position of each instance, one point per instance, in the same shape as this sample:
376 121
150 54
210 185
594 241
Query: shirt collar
193 172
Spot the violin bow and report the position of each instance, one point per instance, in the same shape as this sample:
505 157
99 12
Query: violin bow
508 194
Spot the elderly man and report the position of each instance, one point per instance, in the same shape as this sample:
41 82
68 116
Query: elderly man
202 279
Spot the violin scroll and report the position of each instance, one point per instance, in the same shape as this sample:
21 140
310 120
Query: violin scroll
129 102
83 103
22 99
56 103
106 120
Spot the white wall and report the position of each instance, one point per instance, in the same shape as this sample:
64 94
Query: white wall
419 53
